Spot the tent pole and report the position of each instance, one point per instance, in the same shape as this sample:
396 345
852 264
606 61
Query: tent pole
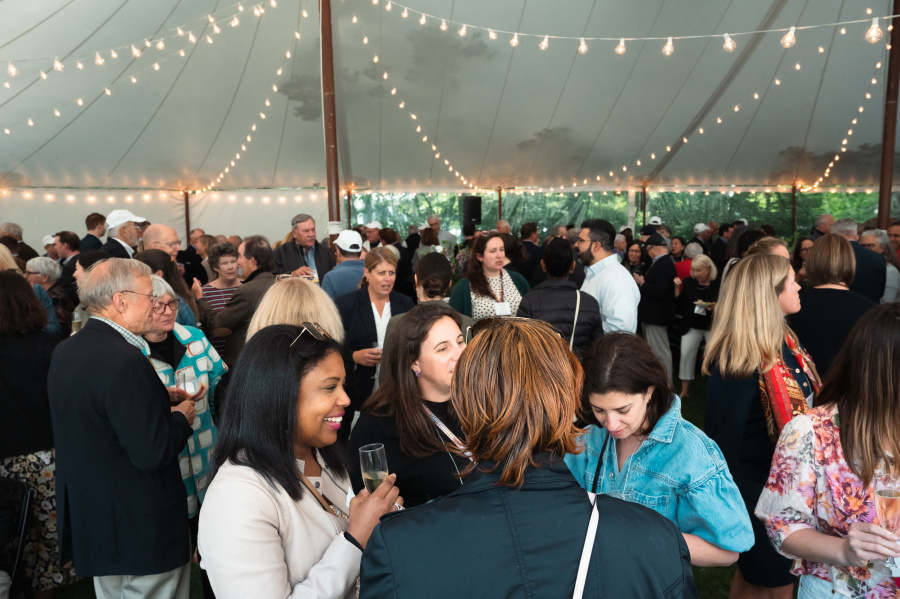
794 212
349 208
328 112
888 138
187 216
499 203
644 201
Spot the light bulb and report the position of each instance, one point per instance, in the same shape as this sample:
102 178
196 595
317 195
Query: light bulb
135 52
669 48
388 6
443 25
583 47
545 43
620 49
514 41
729 44
874 33
405 13
492 34
180 31
789 39
98 60
160 45
113 53
353 19
43 74
12 70
57 65
80 65
462 31
235 22
422 20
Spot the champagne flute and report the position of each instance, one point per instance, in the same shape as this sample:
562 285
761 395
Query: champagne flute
887 507
376 345
373 465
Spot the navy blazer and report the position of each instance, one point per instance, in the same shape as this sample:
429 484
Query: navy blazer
114 249
871 273
483 540
359 330
122 508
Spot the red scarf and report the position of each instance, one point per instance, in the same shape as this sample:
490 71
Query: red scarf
782 397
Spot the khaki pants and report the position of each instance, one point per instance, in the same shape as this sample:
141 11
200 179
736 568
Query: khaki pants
658 338
174 584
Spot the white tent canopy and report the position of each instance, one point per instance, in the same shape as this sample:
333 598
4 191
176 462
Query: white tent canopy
495 114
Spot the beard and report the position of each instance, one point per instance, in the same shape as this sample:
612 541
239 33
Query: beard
587 258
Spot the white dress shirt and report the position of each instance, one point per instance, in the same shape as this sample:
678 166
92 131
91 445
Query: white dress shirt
614 288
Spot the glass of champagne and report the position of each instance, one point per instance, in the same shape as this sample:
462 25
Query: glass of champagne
887 507
373 465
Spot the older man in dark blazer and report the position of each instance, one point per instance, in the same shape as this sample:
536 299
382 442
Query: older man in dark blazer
256 263
304 256
122 506
871 271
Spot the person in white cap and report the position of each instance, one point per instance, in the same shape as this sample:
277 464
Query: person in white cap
122 234
654 220
49 243
345 277
702 234
372 239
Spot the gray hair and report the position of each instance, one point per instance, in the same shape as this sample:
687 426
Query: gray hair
692 250
822 219
880 235
845 227
114 231
45 266
107 278
301 218
432 217
618 238
11 229
559 230
160 287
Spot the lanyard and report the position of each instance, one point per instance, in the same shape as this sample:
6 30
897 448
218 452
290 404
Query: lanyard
326 503
494 295
447 432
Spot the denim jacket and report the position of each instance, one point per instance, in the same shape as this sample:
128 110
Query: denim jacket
678 472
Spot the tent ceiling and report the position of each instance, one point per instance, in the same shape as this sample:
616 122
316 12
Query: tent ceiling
500 115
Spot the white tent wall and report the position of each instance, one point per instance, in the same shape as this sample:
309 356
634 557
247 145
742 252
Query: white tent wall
246 212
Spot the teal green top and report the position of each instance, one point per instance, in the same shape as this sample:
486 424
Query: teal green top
461 295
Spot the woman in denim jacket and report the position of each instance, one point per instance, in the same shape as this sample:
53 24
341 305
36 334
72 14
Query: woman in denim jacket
643 451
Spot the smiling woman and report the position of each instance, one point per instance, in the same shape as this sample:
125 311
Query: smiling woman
276 519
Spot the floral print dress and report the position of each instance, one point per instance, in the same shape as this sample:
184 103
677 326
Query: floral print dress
811 486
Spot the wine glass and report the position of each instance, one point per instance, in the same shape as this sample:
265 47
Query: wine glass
187 381
887 507
373 465
376 345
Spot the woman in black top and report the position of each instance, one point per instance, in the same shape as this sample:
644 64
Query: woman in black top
26 434
410 413
829 310
633 260
695 300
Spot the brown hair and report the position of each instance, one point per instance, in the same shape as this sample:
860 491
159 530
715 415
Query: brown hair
765 245
625 363
93 220
20 310
398 395
864 385
514 402
474 271
429 237
830 261
375 257
388 236
433 275
207 241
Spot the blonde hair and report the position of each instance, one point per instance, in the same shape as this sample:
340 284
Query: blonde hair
766 245
749 327
7 262
704 261
293 301
375 257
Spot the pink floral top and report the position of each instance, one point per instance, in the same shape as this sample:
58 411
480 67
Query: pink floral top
811 486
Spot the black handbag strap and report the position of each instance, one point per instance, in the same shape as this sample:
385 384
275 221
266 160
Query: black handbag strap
600 464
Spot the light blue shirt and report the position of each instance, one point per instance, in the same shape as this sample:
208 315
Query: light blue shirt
310 255
616 292
677 472
343 278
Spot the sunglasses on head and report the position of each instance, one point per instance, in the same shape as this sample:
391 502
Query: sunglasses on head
313 328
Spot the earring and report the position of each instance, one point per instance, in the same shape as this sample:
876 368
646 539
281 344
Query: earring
417 373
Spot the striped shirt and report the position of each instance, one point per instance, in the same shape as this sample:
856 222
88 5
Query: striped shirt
217 298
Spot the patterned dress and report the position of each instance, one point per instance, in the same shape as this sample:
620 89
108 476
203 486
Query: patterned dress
810 486
217 298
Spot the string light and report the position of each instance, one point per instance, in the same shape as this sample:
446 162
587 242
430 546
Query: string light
669 48
620 49
11 70
443 25
789 38
583 47
729 44
98 60
514 41
462 31
545 43
874 34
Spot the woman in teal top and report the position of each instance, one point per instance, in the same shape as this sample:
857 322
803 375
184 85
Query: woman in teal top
488 290
641 450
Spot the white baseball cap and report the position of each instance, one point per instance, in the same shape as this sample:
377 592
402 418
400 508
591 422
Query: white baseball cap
700 228
349 241
49 239
654 220
120 217
374 225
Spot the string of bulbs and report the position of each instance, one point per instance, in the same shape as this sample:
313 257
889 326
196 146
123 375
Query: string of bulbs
873 34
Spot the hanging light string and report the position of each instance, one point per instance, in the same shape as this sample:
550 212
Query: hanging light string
402 106
134 51
515 37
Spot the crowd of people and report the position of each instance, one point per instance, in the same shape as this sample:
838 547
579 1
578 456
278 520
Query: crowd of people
208 403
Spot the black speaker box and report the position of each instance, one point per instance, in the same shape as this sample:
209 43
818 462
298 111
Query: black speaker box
471 209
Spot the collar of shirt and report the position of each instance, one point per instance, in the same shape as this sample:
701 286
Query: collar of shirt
135 340
665 426
127 247
597 267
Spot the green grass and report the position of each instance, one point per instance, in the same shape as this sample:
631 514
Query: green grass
713 583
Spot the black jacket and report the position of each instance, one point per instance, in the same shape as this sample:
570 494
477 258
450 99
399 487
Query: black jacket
90 242
360 333
871 273
554 302
488 541
658 293
114 249
289 258
717 253
122 508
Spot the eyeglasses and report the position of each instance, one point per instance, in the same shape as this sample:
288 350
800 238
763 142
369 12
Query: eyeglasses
871 246
31 272
160 307
313 328
171 244
152 297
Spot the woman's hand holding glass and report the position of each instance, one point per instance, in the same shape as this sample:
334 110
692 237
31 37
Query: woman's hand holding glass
869 542
366 508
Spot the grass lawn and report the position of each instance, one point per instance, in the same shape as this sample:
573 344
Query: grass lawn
713 583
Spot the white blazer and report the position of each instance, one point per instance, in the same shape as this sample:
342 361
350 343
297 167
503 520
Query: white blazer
255 541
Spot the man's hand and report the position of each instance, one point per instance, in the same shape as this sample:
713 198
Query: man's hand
187 408
303 271
197 289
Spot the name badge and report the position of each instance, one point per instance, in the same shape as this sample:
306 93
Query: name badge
502 309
